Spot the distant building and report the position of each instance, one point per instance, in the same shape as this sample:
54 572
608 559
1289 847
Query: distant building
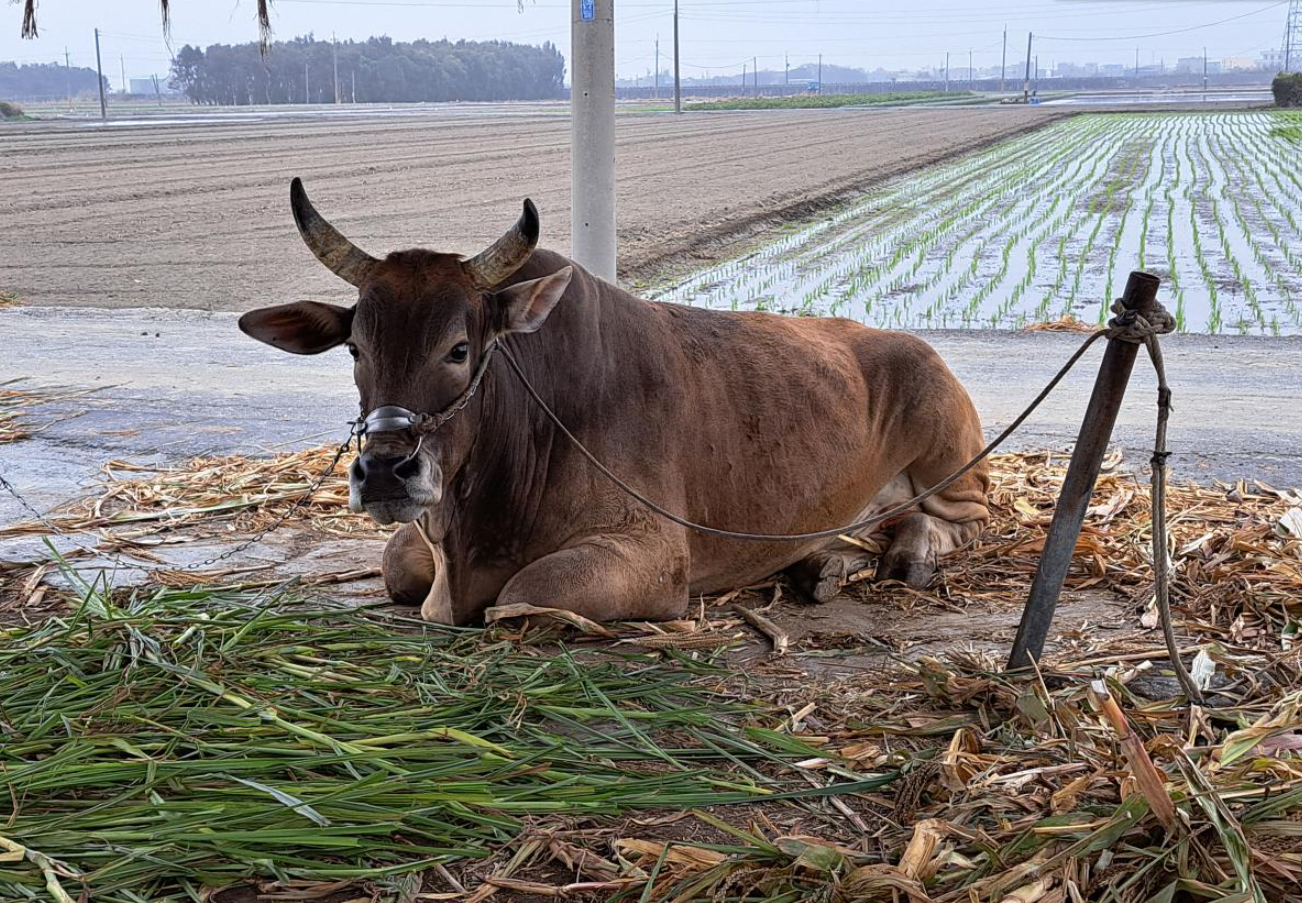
1189 65
1238 64
1112 70
1077 70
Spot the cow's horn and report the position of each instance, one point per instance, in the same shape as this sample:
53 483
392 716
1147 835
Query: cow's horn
506 255
345 259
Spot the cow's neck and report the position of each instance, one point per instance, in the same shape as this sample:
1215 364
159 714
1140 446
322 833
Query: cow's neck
498 495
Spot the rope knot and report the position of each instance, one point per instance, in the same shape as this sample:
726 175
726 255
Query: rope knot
1131 326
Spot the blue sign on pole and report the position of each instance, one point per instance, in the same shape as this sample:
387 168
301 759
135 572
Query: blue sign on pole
587 10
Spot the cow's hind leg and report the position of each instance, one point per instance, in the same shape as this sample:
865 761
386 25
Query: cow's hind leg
947 521
407 566
607 578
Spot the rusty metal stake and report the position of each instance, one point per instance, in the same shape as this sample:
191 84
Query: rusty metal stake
1091 445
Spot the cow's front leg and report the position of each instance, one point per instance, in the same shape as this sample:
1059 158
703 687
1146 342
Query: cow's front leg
607 578
416 573
407 566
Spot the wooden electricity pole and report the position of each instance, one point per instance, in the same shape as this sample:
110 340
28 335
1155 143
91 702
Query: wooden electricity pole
99 70
678 88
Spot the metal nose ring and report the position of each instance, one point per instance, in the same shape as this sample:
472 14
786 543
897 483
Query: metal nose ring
389 418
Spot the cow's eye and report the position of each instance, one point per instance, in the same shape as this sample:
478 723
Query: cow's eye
352 349
458 353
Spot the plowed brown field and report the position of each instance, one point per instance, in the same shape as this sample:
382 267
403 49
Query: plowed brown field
196 215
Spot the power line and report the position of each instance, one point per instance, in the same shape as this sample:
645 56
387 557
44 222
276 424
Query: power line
1163 34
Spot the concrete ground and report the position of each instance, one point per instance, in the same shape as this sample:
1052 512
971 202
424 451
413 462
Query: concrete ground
175 384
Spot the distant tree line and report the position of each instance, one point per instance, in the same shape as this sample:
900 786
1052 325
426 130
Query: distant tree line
1288 90
46 81
376 70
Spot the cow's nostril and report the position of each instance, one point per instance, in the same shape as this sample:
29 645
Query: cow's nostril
358 470
407 468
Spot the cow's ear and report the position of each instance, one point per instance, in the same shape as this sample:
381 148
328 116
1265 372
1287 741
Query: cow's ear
304 327
524 307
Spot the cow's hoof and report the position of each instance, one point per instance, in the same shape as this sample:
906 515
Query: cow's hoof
916 574
818 579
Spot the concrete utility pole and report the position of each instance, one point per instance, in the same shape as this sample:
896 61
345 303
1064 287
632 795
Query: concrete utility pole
743 78
656 90
820 73
123 61
335 41
1026 85
307 94
67 71
971 73
678 88
1003 65
1136 62
99 69
754 67
354 93
786 69
592 136
946 71
1204 73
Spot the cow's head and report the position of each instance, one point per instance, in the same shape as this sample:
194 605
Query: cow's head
419 329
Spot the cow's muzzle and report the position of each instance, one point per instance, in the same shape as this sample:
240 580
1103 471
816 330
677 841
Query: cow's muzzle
390 482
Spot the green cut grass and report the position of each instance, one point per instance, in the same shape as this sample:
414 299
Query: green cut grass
189 740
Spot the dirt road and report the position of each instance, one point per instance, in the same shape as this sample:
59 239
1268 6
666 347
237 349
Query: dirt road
196 215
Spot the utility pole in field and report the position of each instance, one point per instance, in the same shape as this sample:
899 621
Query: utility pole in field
353 96
656 90
1003 65
592 136
1204 73
786 69
1026 85
971 73
743 78
307 93
947 71
1293 37
678 88
1136 62
99 70
67 71
754 67
335 41
820 73
123 61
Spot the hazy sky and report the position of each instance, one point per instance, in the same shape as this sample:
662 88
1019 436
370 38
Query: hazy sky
717 35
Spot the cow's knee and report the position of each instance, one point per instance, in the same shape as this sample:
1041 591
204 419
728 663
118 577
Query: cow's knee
407 566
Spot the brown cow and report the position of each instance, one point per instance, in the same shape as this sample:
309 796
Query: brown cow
746 421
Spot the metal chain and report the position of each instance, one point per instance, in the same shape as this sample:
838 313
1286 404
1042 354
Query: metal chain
299 503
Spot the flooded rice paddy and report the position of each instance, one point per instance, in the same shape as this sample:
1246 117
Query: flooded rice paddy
1050 224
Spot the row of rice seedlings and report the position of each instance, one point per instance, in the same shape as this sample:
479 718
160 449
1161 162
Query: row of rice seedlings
1248 170
1228 152
1216 192
1052 178
1100 210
